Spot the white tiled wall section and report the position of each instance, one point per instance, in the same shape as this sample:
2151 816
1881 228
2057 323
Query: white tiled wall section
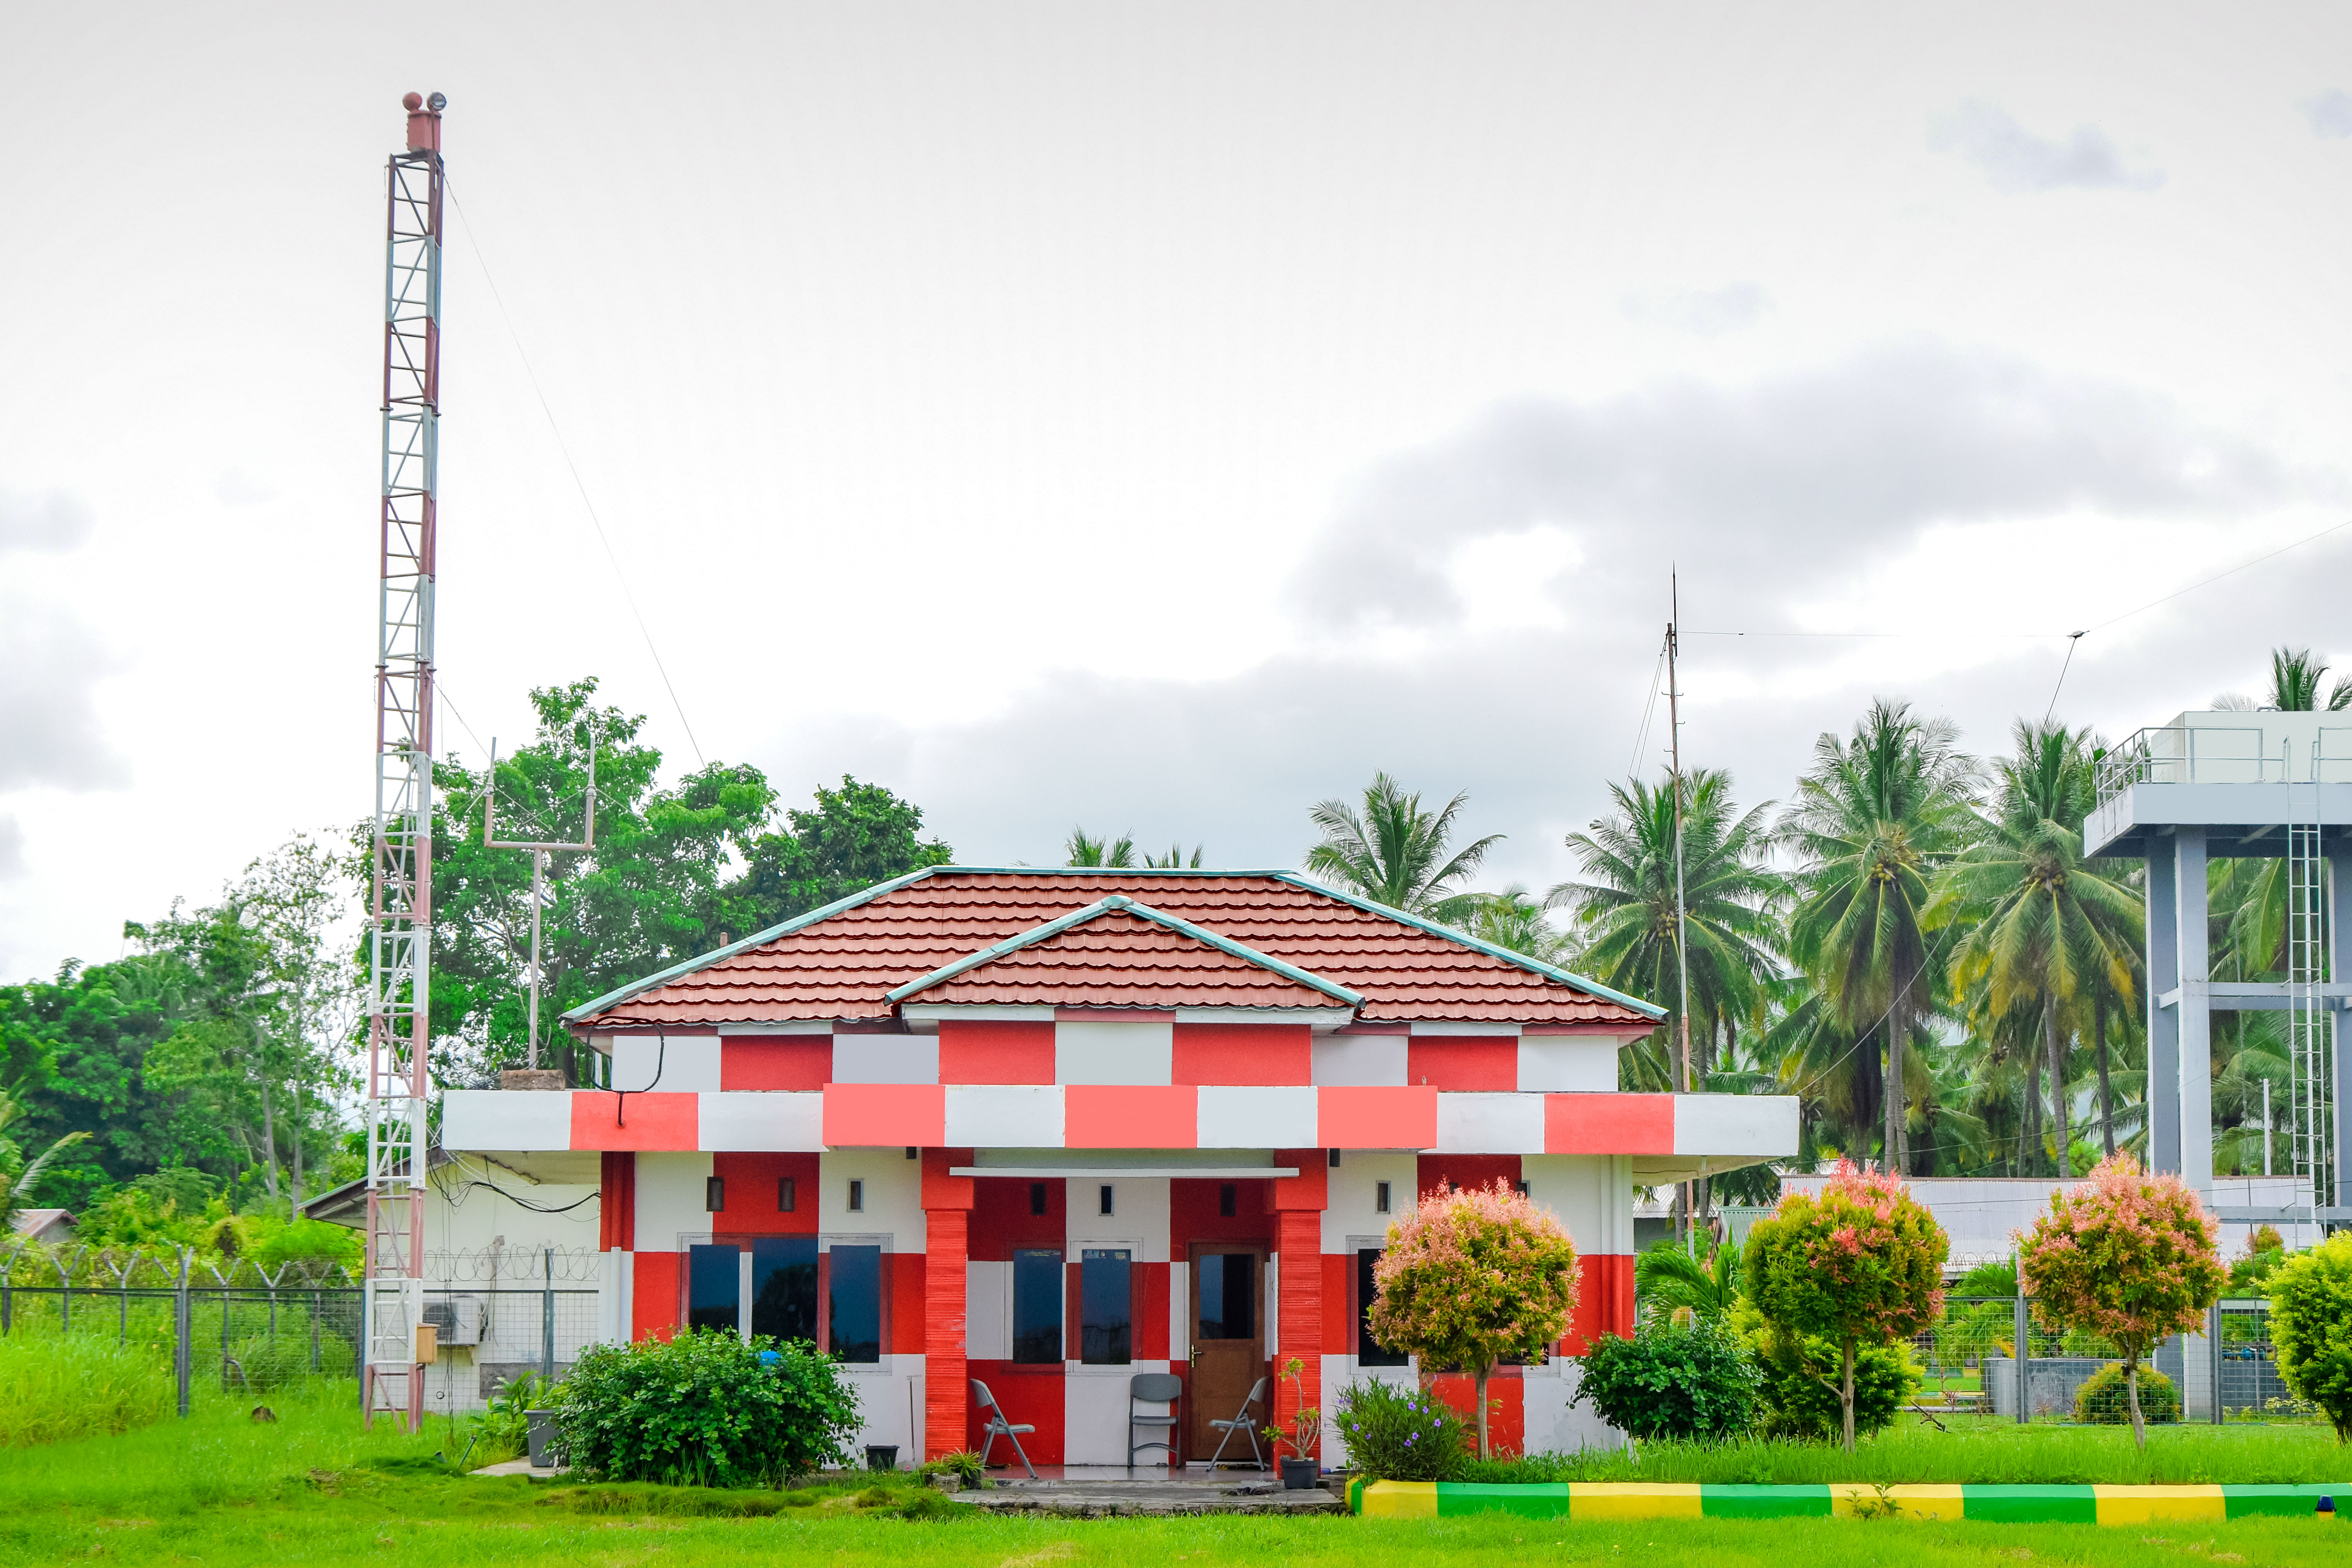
1568 1064
894 1196
772 1122
988 1311
1591 1193
886 1058
1254 1118
1360 1058
677 1064
1139 1218
1089 1052
1004 1116
1490 1123
1354 1193
672 1200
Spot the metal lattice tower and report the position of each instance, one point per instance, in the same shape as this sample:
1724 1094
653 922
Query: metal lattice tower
400 932
2310 1056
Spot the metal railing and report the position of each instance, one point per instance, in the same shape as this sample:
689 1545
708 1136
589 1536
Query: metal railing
2189 753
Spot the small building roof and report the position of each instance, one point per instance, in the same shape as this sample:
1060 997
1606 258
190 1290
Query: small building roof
43 1224
855 958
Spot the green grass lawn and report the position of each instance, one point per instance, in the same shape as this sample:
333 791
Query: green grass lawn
312 1488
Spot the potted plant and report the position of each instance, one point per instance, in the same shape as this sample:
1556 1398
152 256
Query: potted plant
1301 1469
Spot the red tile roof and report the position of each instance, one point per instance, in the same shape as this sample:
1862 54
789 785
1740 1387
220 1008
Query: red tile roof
1116 959
839 965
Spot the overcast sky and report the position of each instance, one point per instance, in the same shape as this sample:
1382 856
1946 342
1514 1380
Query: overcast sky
1156 417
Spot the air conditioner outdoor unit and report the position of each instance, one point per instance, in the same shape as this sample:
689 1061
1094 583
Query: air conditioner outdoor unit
458 1319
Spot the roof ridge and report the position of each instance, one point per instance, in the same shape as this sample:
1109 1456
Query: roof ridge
1119 904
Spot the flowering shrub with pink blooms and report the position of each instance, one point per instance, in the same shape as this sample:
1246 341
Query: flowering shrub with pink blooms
2126 1256
1472 1279
1862 1264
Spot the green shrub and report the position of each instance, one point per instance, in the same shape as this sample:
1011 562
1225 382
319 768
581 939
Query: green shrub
1987 1279
2251 1275
1697 1381
1401 1435
54 1387
2104 1401
963 1464
2311 1324
706 1409
1800 1385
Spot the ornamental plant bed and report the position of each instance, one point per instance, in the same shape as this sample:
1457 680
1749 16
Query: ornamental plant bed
1618 1500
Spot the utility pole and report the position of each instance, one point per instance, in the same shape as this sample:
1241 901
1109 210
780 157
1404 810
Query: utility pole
539 852
1682 914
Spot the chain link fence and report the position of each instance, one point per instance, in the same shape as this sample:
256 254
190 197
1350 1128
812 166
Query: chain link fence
246 1329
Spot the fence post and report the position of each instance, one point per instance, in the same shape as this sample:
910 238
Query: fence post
547 1315
317 1300
2024 1330
182 1353
2213 1354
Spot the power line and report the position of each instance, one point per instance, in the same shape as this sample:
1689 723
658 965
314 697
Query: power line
475 244
2217 577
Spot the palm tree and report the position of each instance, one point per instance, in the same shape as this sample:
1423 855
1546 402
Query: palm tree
1627 907
2295 685
1174 859
1394 852
1875 820
2043 926
1115 853
19 1175
1516 920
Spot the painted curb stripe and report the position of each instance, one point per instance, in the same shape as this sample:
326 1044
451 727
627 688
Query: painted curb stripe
1593 1500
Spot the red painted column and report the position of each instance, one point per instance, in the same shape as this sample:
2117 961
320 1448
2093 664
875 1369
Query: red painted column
1298 1202
947 1246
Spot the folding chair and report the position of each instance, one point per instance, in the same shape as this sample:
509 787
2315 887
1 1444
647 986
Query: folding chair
998 1426
1243 1423
1152 1388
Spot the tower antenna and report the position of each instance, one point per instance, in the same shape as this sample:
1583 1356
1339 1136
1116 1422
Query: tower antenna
538 851
400 904
1682 915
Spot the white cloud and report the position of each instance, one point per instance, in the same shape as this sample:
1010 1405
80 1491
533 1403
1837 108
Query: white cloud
2330 112
2014 159
53 519
12 849
1702 312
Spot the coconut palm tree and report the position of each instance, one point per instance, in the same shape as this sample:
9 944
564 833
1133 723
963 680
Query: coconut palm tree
19 1175
1174 859
1394 852
2043 926
2295 686
1113 854
1875 820
1516 920
1626 908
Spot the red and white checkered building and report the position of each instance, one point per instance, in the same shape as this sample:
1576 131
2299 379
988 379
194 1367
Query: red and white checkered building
1051 1129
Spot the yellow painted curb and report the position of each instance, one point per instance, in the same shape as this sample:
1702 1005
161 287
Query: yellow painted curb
1400 1500
2147 1505
1632 1499
1859 1499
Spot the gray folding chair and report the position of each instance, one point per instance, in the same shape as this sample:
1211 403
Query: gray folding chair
998 1426
1244 1424
1152 1388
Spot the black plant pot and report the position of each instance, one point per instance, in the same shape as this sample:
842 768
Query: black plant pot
1298 1475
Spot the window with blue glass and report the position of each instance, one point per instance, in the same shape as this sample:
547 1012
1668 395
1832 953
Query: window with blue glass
854 1303
1037 1294
714 1288
1106 1298
783 1287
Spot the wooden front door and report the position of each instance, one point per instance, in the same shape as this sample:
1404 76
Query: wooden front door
1228 1338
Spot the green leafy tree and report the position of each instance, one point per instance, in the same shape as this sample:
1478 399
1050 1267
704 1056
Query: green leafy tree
653 890
1625 909
75 1051
1395 852
852 838
1861 1264
2311 1324
2126 1256
2043 925
1472 1279
1876 818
